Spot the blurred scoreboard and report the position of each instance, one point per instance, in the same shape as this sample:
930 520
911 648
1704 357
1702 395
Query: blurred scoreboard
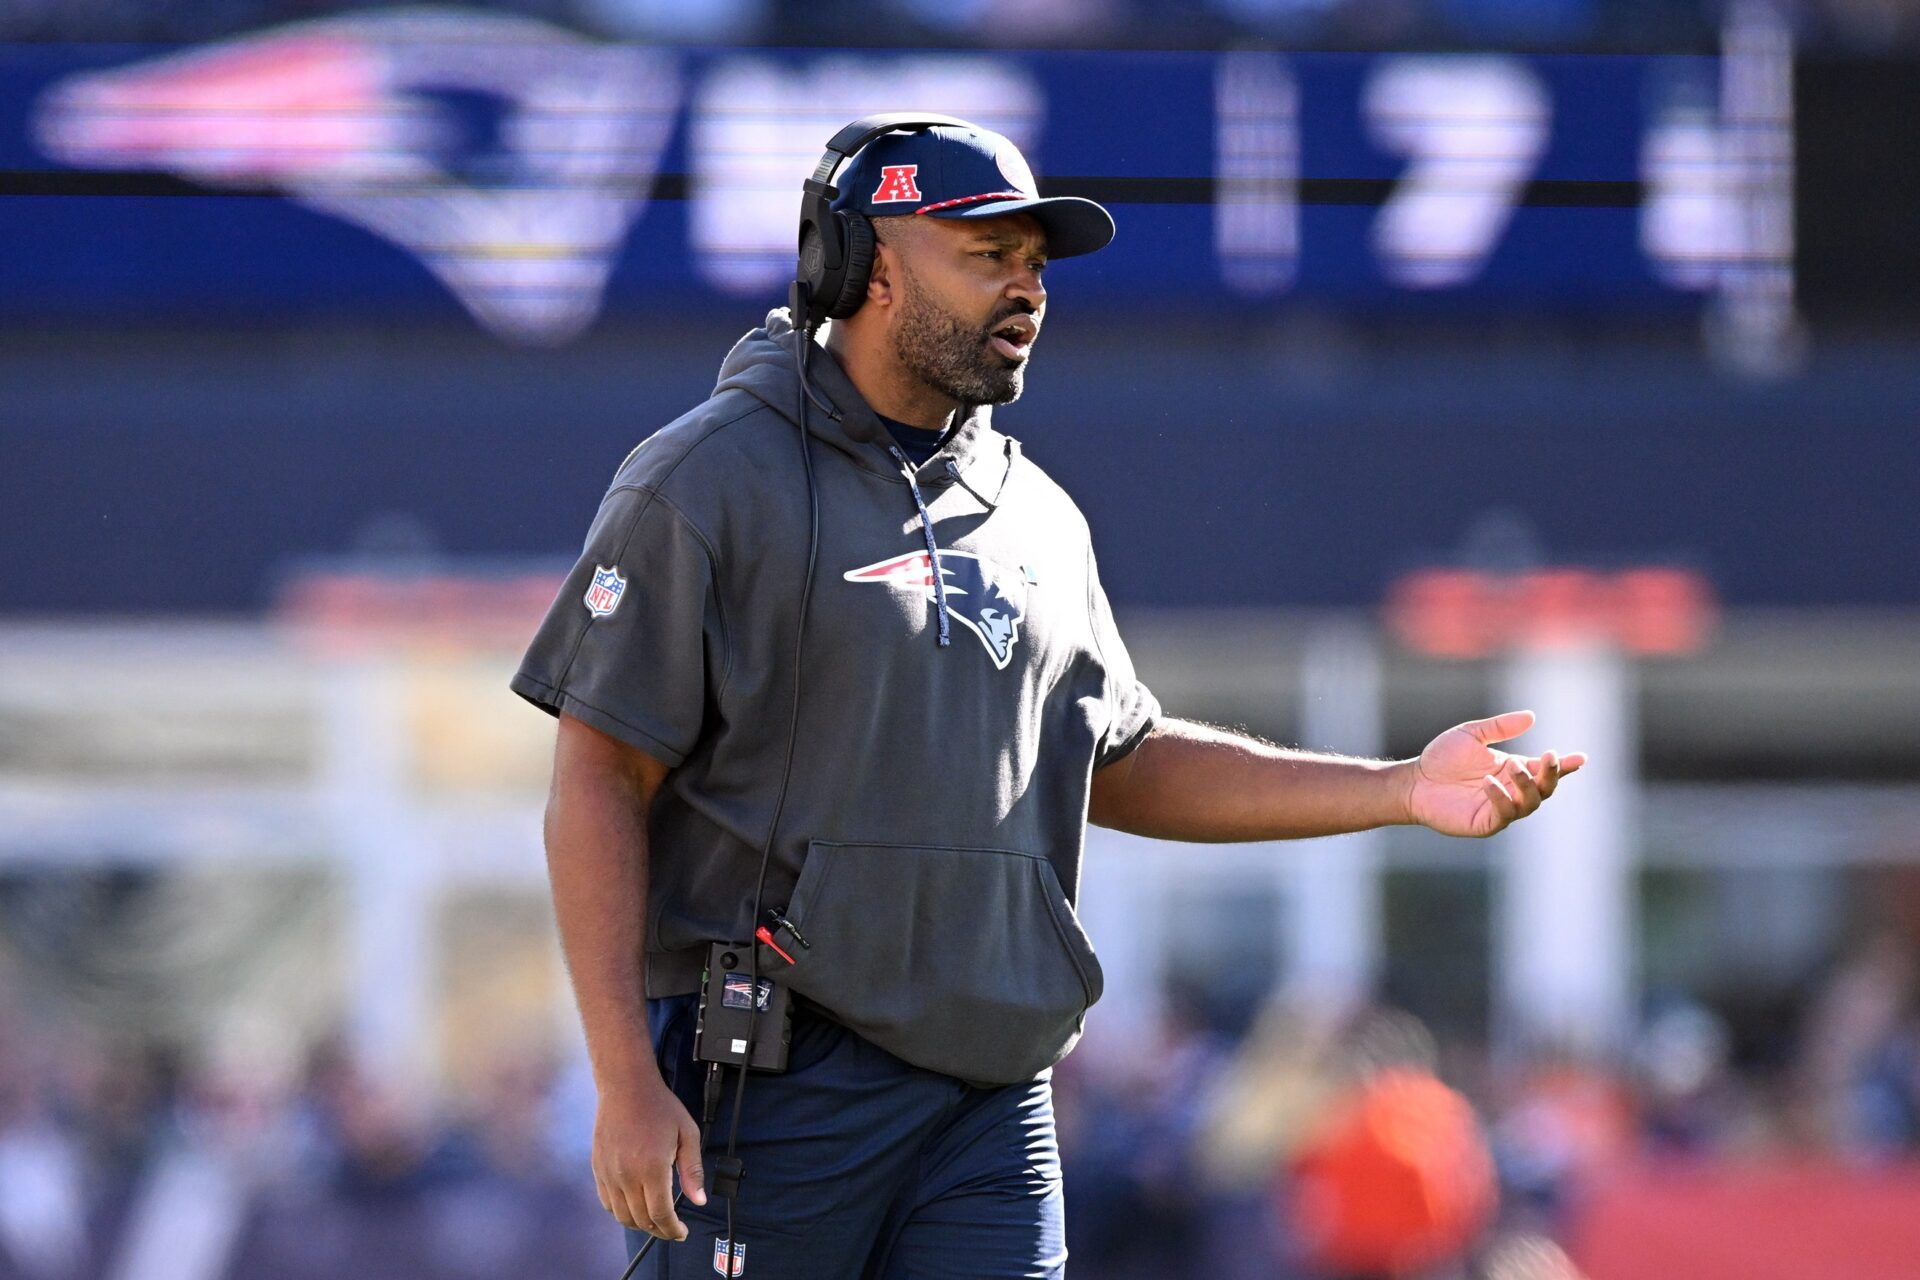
427 161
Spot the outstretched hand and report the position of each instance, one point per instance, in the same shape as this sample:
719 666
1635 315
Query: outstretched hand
1462 786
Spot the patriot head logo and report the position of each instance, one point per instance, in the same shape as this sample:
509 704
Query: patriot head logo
508 154
896 183
983 597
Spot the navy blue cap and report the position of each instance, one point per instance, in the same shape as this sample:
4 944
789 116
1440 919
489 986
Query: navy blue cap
949 172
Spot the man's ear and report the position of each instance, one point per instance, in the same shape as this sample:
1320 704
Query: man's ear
880 279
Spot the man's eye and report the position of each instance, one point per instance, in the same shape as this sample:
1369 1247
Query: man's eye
1038 264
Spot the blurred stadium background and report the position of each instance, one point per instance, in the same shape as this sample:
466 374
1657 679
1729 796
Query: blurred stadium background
1453 355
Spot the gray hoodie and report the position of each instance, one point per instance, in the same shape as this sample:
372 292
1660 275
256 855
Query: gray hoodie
929 844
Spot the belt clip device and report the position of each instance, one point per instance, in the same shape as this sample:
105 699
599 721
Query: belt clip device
726 1005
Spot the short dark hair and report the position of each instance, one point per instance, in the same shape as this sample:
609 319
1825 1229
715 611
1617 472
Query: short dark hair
885 230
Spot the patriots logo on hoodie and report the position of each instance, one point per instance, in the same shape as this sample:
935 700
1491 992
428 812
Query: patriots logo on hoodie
981 595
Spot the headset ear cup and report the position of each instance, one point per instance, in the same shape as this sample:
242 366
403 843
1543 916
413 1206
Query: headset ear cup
811 273
859 251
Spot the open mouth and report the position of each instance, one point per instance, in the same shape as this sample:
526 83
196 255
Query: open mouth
1014 338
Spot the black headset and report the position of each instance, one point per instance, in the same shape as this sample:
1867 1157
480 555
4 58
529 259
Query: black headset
836 245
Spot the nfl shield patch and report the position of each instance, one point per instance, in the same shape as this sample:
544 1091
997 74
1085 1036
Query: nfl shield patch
721 1257
603 596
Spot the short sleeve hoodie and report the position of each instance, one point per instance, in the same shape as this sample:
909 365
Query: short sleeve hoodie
929 846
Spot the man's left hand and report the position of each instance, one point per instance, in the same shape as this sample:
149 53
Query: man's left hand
1462 786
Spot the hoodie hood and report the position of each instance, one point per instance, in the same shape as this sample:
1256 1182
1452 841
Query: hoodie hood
764 364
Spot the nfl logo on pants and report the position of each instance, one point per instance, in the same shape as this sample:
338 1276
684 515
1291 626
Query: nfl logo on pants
720 1258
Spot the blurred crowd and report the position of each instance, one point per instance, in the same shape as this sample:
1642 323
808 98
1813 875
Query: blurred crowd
1200 1148
117 1165
1861 25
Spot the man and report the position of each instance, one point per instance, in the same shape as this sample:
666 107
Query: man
837 646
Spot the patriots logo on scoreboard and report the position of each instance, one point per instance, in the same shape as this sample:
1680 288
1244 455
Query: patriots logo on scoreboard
981 596
721 1258
508 154
896 184
603 595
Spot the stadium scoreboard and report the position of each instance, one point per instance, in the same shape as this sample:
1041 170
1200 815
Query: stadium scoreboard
542 179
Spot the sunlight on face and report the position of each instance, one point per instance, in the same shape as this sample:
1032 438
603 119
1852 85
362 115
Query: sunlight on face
970 301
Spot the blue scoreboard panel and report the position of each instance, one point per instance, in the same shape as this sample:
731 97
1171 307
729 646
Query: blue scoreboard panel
435 163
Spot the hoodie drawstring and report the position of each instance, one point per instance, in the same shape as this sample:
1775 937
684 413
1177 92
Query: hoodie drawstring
991 504
953 469
926 527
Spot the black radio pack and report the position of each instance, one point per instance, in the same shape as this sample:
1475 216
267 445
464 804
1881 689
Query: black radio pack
726 995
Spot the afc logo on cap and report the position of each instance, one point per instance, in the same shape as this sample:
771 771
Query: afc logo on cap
896 183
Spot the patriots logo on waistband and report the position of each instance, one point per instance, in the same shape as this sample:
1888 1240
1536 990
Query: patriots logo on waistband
981 595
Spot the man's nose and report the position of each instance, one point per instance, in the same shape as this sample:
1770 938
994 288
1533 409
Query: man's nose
1026 284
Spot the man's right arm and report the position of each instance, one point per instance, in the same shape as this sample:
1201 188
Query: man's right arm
596 837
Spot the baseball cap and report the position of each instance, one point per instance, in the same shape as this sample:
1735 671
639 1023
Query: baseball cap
952 172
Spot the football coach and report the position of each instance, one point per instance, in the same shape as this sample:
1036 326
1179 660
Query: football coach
836 671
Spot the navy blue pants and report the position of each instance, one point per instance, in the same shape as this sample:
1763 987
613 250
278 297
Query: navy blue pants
862 1167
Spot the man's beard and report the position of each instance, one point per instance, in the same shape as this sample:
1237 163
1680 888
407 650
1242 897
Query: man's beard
950 355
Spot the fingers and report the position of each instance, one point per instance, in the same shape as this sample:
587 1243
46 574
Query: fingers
1521 784
656 1187
1525 788
1545 769
693 1178
1549 767
622 1210
1509 724
1505 807
647 1207
613 1202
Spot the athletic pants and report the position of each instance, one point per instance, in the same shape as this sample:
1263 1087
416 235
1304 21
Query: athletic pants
862 1167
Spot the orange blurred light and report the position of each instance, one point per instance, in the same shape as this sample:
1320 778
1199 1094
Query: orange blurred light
1398 1180
1465 613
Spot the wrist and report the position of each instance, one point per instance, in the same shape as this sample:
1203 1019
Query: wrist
1401 777
626 1067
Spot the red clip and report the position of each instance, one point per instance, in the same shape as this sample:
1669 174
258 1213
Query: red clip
767 937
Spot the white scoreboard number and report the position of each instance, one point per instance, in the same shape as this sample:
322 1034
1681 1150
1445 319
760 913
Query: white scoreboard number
1474 129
